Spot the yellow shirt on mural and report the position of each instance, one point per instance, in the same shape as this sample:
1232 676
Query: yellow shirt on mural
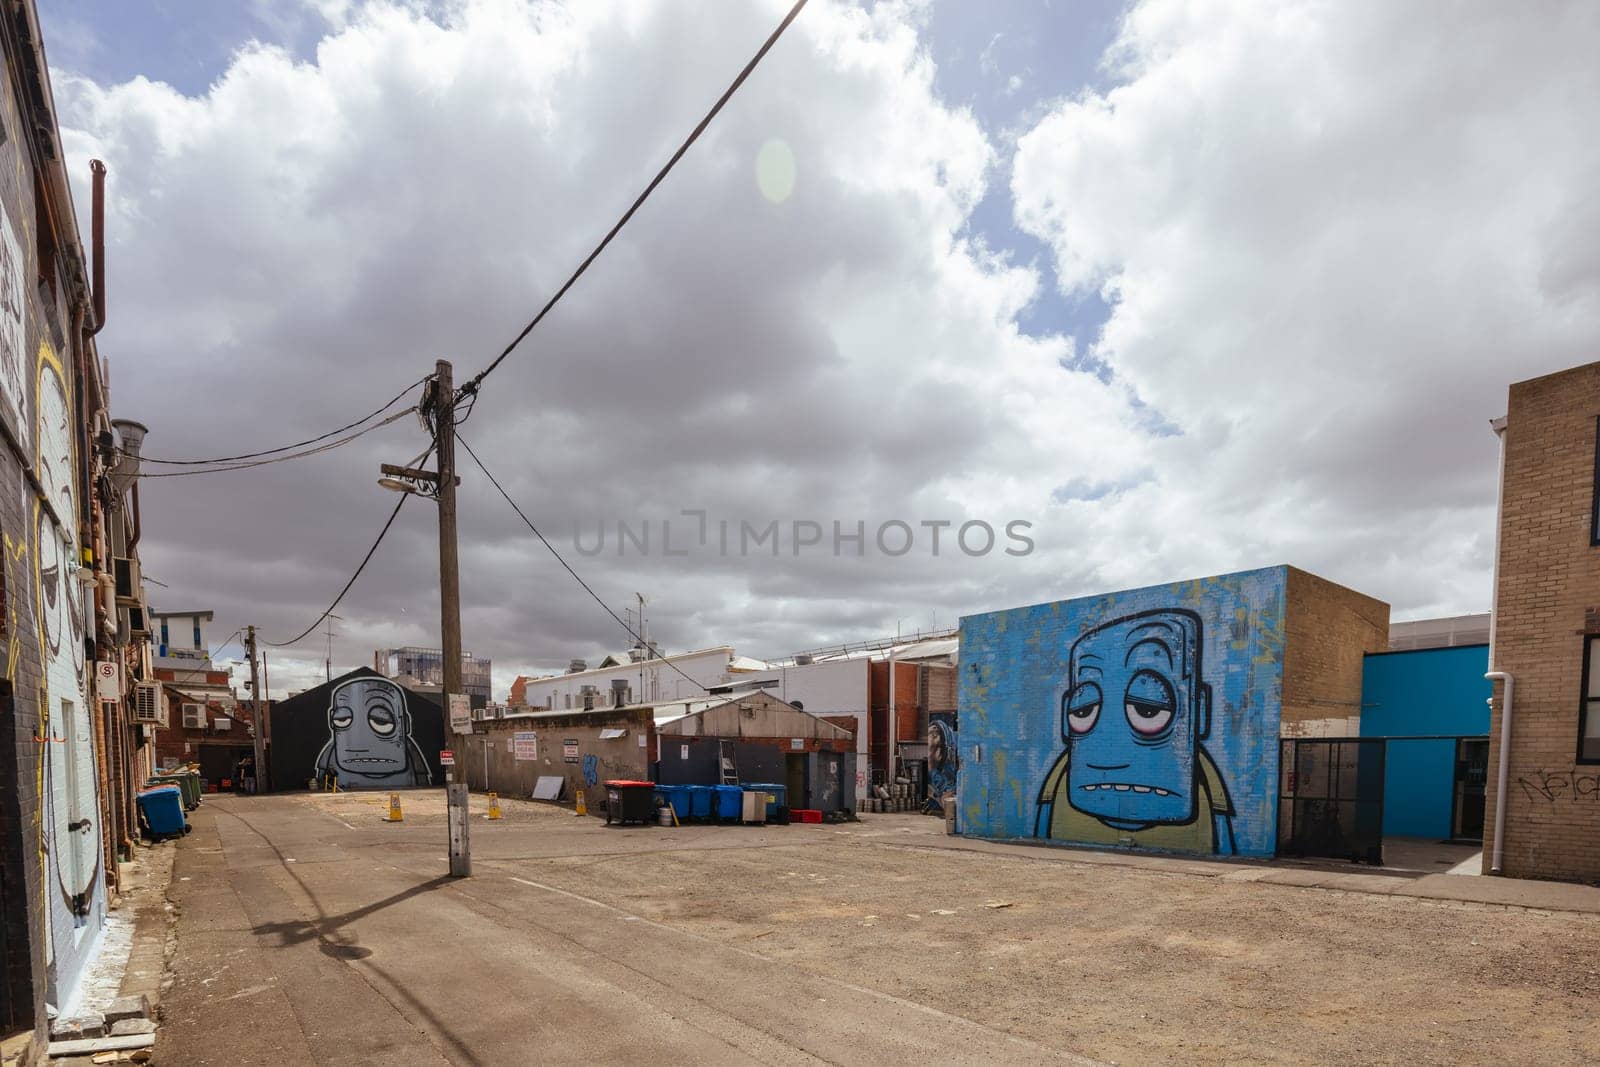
1067 823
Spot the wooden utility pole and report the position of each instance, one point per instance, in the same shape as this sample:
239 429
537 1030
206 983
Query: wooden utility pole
444 413
257 727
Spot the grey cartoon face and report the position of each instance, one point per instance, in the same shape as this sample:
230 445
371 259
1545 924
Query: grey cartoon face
371 728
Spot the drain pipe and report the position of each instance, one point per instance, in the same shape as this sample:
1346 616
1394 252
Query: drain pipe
1503 774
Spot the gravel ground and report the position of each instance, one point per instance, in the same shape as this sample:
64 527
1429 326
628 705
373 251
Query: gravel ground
1124 965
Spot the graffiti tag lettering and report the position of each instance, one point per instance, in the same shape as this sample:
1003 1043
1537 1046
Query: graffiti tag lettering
1561 785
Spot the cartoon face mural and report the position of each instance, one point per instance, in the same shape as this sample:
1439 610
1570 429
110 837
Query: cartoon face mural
941 762
369 737
1133 711
70 765
1146 718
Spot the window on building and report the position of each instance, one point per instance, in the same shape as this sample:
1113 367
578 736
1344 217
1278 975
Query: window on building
1589 712
164 641
197 633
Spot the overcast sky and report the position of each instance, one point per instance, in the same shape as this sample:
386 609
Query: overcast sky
1188 288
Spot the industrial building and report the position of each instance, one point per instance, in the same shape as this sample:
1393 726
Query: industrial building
1544 652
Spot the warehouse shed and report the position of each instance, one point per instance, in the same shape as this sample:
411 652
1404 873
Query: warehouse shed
764 740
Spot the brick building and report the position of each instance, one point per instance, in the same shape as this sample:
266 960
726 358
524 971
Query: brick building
71 599
1546 632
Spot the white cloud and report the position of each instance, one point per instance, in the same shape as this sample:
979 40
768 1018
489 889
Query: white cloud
292 246
1333 234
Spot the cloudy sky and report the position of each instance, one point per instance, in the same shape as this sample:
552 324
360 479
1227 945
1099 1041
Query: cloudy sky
1188 288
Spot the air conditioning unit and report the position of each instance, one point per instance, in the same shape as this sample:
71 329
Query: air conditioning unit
125 569
479 714
148 706
194 716
222 722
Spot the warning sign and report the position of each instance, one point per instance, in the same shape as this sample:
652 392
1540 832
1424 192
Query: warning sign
447 758
525 745
108 680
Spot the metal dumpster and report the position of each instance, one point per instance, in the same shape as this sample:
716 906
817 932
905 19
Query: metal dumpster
630 801
777 799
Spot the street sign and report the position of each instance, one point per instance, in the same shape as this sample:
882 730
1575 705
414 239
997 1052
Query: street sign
569 750
460 713
108 680
447 758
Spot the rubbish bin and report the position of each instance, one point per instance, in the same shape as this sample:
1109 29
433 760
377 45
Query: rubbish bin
700 801
630 801
677 796
729 801
187 783
777 800
163 810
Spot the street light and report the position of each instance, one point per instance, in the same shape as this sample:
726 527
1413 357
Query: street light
397 485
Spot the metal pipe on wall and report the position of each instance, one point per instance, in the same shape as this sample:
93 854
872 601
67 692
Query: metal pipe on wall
1503 772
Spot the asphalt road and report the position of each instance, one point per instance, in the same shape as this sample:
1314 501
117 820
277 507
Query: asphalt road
310 933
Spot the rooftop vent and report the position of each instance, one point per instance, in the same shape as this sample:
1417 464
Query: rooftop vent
577 665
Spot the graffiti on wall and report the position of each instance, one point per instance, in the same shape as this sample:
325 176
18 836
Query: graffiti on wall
1569 786
370 745
1147 718
1134 710
942 760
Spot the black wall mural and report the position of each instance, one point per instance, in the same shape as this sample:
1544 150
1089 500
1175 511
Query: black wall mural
368 731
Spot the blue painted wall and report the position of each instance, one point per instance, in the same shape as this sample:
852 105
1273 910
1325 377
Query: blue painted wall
1146 718
1427 691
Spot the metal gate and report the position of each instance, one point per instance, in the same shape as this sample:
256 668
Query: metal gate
1330 798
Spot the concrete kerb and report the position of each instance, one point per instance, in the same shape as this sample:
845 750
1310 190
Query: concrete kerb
1482 890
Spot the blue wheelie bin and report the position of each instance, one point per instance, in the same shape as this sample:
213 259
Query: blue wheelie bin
699 801
730 802
163 811
678 797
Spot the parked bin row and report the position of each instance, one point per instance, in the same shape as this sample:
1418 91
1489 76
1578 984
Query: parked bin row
750 803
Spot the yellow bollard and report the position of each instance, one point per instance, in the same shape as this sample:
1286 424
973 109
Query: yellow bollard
394 809
494 805
581 809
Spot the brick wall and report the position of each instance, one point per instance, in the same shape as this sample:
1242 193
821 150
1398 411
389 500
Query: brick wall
1329 630
1548 596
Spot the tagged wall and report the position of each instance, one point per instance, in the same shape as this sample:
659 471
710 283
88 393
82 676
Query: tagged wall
1146 718
53 863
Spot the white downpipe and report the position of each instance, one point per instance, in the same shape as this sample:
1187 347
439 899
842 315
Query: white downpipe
1503 776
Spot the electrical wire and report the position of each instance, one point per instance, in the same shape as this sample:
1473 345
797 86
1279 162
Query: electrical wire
462 441
471 387
284 448
330 446
364 561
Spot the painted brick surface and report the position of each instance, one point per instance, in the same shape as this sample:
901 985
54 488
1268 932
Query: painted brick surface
1166 699
1548 597
1330 630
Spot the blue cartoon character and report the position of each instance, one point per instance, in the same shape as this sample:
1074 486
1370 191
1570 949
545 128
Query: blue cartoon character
941 764
1134 711
369 743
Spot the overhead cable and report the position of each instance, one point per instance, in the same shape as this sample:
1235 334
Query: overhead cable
462 441
471 386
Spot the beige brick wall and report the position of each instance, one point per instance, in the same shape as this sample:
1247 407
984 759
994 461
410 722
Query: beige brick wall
1549 583
1328 630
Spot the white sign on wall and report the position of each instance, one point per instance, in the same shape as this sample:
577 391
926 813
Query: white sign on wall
108 680
460 713
525 745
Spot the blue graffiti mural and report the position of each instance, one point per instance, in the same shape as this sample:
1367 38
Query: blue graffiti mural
1133 712
591 770
1146 718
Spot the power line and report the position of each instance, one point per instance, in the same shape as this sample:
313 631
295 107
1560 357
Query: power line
282 448
329 447
364 561
462 441
471 387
